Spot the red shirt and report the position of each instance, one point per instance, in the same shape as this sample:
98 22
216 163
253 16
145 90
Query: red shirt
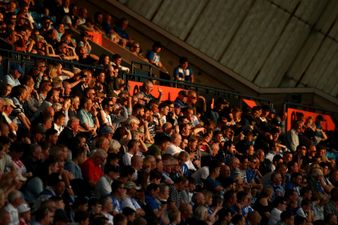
91 172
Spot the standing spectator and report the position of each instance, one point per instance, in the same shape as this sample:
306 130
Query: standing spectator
154 58
183 72
292 136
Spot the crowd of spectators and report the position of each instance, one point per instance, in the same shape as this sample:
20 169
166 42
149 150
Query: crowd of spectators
76 147
61 30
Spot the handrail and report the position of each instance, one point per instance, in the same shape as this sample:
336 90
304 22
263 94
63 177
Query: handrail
186 85
43 57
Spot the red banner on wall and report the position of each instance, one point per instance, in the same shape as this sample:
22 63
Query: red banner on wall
168 93
249 102
96 37
296 114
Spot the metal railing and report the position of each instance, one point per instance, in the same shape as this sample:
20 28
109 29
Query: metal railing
26 60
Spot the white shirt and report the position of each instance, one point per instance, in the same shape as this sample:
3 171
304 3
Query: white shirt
8 79
107 118
13 213
173 150
58 128
131 203
6 162
275 216
126 158
190 165
103 187
201 174
109 217
8 120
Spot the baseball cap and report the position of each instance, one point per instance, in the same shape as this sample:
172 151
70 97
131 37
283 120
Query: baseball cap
8 101
17 67
23 208
107 130
131 185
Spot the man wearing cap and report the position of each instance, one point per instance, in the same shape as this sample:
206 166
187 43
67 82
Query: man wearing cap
129 200
7 109
24 214
13 77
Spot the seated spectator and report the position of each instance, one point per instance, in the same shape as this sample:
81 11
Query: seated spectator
136 50
85 58
103 186
24 214
280 207
88 119
147 89
14 74
58 168
68 39
120 28
92 167
66 52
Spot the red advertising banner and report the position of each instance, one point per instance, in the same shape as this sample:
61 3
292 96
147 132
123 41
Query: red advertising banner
295 114
168 93
96 37
249 102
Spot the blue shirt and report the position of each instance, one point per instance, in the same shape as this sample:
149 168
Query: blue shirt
121 33
211 184
183 74
117 205
152 202
153 56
